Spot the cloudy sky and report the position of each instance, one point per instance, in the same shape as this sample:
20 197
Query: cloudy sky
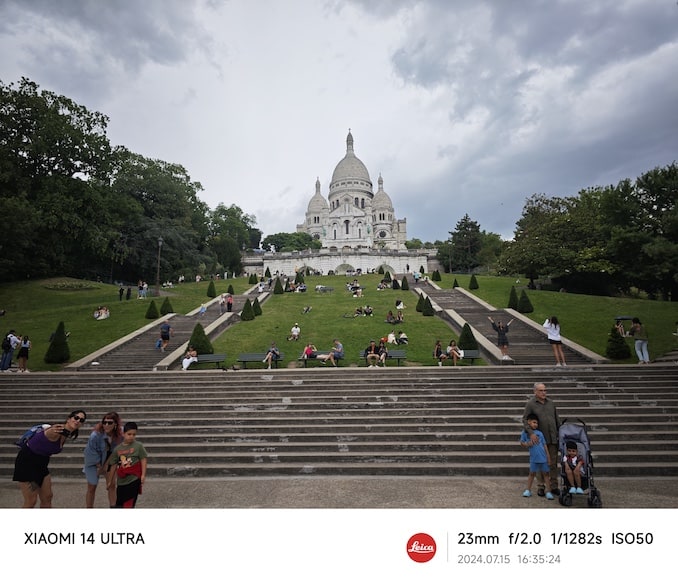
463 106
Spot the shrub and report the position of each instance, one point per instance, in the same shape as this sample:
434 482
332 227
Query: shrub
380 271
421 269
420 303
404 284
299 278
524 304
58 351
473 284
267 273
247 311
428 307
436 276
467 341
395 284
253 279
152 312
199 341
230 289
278 288
456 283
616 346
513 298
166 307
387 277
211 290
256 307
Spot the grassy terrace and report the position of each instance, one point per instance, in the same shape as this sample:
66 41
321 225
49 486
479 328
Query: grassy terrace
36 307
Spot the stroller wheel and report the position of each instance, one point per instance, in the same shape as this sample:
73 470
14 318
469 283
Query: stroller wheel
594 499
566 499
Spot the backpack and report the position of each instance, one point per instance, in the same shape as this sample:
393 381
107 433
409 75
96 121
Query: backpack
6 344
30 433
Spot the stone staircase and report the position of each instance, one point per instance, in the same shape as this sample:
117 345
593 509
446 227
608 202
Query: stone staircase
353 421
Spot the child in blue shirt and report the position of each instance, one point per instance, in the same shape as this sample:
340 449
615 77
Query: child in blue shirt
539 456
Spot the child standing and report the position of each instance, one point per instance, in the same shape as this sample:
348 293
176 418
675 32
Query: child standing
574 463
128 461
540 459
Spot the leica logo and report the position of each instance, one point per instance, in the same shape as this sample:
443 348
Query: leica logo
421 548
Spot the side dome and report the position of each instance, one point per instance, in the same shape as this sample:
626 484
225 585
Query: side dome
318 203
381 199
350 167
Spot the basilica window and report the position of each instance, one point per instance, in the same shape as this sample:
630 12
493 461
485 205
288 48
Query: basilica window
347 227
356 202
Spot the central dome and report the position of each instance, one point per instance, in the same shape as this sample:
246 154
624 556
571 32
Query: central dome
350 167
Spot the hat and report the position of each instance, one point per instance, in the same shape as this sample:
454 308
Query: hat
296 323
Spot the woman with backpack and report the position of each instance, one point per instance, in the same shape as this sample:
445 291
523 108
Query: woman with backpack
31 464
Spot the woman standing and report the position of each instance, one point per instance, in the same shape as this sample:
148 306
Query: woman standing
22 356
30 466
106 435
553 332
639 333
502 339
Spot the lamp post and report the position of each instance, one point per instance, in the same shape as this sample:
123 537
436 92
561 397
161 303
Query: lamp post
157 276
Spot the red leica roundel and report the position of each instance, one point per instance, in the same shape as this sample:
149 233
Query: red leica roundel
421 548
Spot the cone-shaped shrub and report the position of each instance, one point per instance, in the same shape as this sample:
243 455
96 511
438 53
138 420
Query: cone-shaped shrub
513 298
456 283
428 307
473 284
616 346
299 278
436 276
253 280
58 351
152 312
467 341
199 341
256 308
421 269
230 289
395 284
387 277
247 311
166 307
404 284
267 273
420 303
278 288
211 290
524 303
380 271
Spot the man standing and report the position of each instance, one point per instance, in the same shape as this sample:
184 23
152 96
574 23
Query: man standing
549 422
9 343
165 332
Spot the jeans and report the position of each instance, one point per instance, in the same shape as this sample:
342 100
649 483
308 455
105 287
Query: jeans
641 351
6 361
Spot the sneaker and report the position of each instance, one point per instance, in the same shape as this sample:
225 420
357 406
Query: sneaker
557 364
549 495
268 367
440 364
527 493
580 491
263 360
322 362
541 492
564 364
573 490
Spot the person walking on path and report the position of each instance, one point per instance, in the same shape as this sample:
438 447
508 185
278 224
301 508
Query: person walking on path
106 435
9 343
166 332
552 327
539 456
502 339
639 334
31 464
549 423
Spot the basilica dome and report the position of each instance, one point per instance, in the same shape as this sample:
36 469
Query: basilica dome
350 167
317 203
381 199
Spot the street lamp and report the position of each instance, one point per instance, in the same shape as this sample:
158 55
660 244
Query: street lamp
157 276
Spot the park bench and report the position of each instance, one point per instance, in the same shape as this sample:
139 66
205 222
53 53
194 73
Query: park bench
323 289
471 354
210 358
395 354
245 358
304 359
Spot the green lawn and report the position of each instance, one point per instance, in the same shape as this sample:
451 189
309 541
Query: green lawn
36 307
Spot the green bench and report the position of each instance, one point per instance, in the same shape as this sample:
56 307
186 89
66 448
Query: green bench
395 354
213 358
472 354
245 358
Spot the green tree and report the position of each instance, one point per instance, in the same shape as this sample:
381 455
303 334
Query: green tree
513 298
404 284
414 243
473 282
467 341
278 288
199 341
291 241
211 290
256 307
617 349
58 351
428 307
247 311
420 303
166 307
230 289
152 312
524 304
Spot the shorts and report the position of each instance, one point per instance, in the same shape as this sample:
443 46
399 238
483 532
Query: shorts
555 341
164 336
91 474
539 467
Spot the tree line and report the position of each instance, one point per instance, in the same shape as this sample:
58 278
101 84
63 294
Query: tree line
73 204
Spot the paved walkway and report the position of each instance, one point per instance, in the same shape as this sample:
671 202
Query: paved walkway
358 492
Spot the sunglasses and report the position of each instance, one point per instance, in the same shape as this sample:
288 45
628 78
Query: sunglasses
109 422
79 418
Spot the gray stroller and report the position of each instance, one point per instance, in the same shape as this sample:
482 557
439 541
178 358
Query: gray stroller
576 432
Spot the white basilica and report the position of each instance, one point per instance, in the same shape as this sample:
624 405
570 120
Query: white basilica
353 216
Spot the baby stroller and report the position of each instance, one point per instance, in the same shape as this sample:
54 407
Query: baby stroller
576 432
